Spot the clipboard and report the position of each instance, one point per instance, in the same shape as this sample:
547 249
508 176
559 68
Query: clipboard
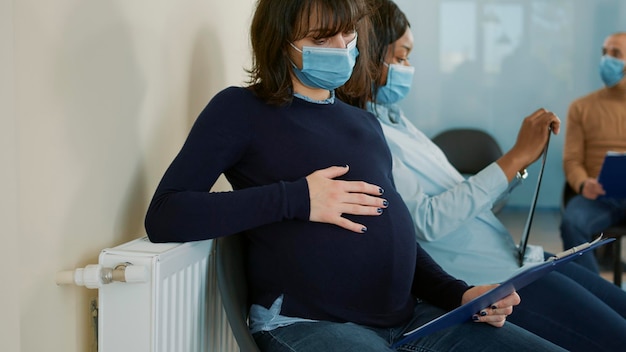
535 271
613 175
521 249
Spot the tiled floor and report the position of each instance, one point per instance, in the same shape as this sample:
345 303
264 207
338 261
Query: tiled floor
544 231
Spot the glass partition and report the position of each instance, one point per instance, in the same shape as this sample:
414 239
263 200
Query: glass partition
490 63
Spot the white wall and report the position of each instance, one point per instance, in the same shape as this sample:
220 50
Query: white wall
9 293
96 99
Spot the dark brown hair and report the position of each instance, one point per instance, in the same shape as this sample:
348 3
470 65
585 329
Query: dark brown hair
276 23
388 24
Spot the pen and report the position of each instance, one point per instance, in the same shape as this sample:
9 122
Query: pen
574 249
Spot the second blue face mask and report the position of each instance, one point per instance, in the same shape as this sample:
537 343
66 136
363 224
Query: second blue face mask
611 70
326 68
399 81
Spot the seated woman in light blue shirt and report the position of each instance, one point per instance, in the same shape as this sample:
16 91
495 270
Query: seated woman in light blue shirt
572 307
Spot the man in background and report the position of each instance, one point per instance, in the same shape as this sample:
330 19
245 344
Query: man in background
596 124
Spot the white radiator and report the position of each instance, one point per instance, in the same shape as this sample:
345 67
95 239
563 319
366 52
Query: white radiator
169 303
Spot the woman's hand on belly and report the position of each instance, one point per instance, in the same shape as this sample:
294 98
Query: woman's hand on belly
331 198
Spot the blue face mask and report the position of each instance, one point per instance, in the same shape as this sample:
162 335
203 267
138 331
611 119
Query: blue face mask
611 70
399 81
326 68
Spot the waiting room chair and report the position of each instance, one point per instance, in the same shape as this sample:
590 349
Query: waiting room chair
617 231
469 151
231 252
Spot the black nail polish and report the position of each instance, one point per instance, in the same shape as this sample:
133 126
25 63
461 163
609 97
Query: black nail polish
385 203
494 307
381 191
379 210
483 313
364 230
475 317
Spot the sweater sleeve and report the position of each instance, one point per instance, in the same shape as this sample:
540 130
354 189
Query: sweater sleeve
431 283
182 208
574 148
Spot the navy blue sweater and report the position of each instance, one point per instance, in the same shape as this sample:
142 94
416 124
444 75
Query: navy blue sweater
325 272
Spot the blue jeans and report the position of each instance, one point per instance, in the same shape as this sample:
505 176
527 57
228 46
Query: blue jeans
326 336
584 218
574 308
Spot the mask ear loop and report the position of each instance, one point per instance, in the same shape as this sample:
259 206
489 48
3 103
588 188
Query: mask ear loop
293 64
352 44
295 47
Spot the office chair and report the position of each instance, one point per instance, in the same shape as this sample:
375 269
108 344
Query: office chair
469 151
230 254
617 231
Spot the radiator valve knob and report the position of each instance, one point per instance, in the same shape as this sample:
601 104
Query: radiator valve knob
94 275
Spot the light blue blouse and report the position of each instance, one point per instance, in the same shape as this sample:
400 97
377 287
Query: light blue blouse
452 215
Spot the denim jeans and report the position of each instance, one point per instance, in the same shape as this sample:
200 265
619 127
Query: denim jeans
584 218
574 308
326 336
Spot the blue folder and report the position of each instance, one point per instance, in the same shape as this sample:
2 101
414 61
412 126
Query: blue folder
465 312
613 175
